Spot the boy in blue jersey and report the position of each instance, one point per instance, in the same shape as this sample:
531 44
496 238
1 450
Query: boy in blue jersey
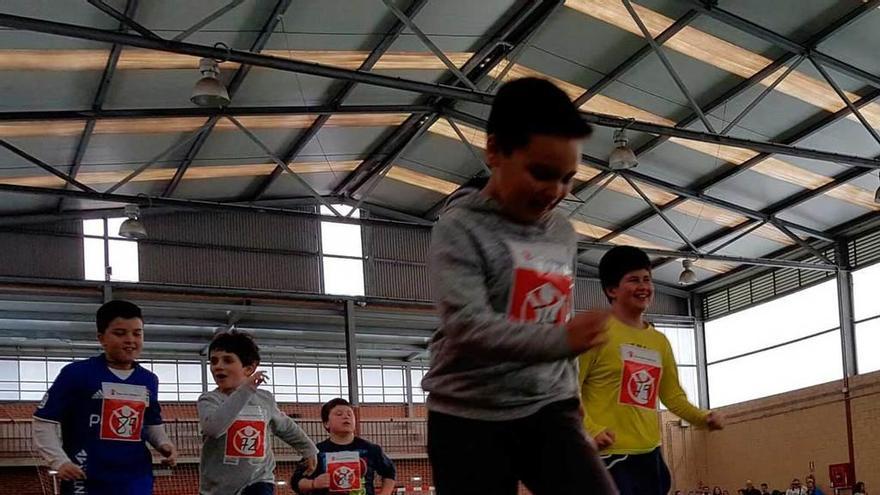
94 422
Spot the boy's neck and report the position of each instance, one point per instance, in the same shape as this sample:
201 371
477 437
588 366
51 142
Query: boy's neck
116 365
629 316
342 438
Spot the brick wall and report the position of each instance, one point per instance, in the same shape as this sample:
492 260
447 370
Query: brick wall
775 439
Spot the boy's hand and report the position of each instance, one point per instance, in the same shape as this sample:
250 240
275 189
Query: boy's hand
322 482
311 464
715 421
169 452
587 330
605 439
70 472
257 379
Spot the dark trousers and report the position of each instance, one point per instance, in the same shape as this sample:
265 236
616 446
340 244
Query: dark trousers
642 474
259 489
142 485
548 451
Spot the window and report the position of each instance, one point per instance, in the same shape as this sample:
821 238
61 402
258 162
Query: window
794 339
121 261
28 379
419 395
683 344
866 306
342 256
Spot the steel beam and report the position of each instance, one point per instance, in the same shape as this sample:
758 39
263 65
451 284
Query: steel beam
45 166
213 16
846 311
519 28
781 41
662 215
124 18
778 263
840 93
351 359
635 58
669 68
769 89
700 344
237 79
367 65
599 188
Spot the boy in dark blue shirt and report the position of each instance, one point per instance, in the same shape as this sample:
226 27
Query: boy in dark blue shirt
93 424
346 463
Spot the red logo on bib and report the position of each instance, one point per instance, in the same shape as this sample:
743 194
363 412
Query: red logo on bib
344 469
640 381
246 438
540 297
122 419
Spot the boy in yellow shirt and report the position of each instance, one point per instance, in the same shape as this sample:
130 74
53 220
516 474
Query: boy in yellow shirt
622 380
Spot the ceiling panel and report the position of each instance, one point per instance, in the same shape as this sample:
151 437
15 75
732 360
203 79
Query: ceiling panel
47 90
857 43
753 190
795 19
54 150
823 213
130 148
442 157
404 197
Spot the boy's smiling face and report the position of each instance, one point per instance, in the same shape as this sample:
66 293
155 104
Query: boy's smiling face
634 291
532 180
123 340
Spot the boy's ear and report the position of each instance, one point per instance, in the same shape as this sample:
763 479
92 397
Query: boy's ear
492 152
251 368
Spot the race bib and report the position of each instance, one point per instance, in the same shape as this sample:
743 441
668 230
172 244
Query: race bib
640 379
344 470
122 411
542 283
246 436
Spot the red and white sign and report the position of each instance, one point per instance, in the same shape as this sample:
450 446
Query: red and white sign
344 470
640 378
122 411
542 283
246 436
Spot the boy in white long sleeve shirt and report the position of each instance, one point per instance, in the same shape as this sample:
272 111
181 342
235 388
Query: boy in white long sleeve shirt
237 421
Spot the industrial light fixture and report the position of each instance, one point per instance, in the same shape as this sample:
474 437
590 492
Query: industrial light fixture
687 276
622 157
209 91
132 228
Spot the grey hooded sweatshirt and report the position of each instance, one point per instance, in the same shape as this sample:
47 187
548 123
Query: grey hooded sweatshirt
503 290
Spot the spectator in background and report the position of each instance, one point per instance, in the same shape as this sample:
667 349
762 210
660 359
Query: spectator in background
859 489
796 488
725 492
765 490
750 489
716 491
812 487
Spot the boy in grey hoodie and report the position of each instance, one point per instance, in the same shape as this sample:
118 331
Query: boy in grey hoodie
503 404
237 422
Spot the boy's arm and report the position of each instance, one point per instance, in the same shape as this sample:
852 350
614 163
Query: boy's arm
469 321
585 363
286 429
47 441
215 417
673 395
384 467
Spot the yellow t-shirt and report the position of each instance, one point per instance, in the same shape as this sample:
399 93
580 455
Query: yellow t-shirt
621 383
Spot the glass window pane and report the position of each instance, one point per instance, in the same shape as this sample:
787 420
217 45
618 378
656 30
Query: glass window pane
393 377
802 364
344 277
285 375
33 371
309 398
32 395
329 376
93 258
124 261
93 227
791 317
682 342
167 372
189 396
867 345
341 239
306 376
54 367
371 377
189 373
9 370
9 395
866 287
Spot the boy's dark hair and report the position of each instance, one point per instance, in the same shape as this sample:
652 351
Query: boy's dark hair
328 407
116 309
239 343
619 261
528 106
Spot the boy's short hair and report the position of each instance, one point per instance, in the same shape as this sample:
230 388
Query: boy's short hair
619 261
328 407
116 309
528 106
239 343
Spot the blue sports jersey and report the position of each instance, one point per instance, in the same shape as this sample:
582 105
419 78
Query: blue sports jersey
102 418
